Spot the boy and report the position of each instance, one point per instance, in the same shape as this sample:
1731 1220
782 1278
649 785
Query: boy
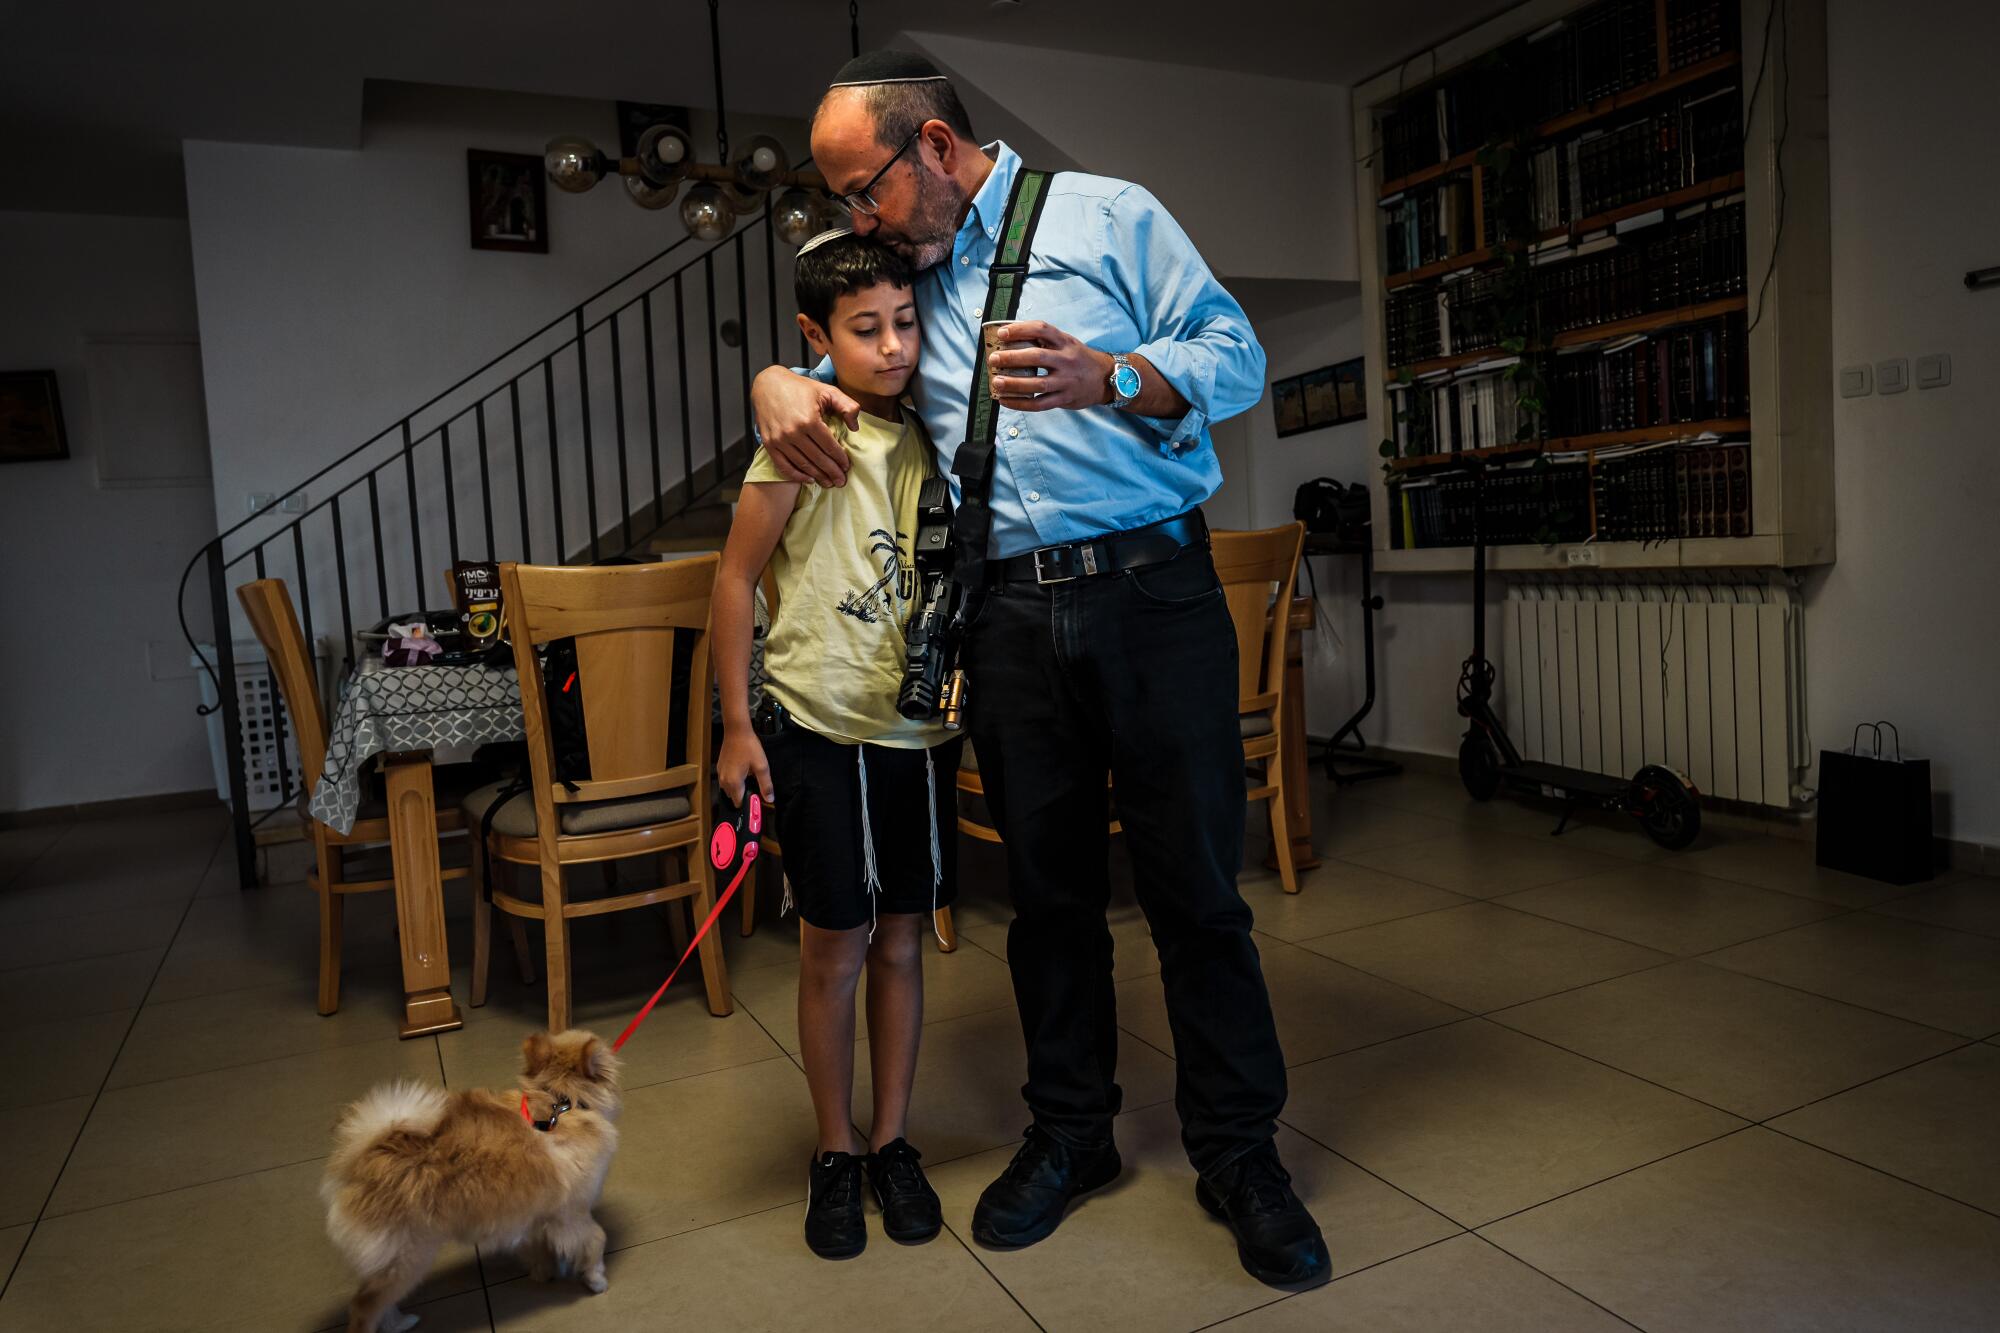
847 773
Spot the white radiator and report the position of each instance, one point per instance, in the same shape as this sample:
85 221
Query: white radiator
1706 676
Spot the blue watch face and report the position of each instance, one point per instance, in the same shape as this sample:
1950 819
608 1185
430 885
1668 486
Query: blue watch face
1125 380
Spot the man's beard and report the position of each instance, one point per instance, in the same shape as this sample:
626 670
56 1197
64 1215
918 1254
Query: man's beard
933 226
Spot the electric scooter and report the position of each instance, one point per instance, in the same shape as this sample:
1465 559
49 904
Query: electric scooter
1663 801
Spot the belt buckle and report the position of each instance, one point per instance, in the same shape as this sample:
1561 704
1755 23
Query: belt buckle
1042 576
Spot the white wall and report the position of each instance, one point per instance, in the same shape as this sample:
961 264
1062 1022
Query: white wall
1256 169
1904 626
338 290
96 700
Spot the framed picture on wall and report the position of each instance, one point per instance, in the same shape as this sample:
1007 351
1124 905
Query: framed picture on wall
1349 390
31 420
1322 407
1328 396
1288 406
509 201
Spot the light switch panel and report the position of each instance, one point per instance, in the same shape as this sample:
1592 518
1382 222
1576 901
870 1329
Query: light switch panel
1892 376
1933 372
1856 381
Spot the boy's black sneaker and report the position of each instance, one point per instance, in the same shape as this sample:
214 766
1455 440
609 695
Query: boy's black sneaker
911 1212
835 1227
1027 1202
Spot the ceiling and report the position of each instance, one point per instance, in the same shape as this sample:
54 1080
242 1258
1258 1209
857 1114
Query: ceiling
97 95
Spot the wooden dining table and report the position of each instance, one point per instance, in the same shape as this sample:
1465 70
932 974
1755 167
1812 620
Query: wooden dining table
402 716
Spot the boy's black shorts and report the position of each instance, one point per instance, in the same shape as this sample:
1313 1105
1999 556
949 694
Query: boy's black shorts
819 829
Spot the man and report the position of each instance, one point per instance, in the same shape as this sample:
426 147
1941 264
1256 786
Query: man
1101 644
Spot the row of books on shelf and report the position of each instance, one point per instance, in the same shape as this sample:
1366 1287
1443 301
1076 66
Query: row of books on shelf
1653 493
1438 124
1519 506
1608 48
1429 223
1697 373
1693 257
1666 493
1699 30
1697 139
1413 324
1449 415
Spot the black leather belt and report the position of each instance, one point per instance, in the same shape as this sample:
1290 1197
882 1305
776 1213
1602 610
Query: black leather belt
1114 552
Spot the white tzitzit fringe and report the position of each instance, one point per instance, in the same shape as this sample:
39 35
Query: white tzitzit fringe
868 871
937 857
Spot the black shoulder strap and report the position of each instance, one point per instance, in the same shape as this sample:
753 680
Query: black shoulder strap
973 464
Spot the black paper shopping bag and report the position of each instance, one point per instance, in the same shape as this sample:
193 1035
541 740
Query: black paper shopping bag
1875 810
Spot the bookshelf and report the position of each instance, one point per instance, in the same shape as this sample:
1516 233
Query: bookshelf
1683 358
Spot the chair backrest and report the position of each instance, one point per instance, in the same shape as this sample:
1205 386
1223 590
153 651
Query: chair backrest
268 603
1249 564
624 619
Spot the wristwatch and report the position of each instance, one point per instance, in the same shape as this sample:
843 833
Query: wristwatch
1124 381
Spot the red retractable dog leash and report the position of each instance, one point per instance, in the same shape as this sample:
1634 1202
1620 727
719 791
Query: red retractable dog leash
737 840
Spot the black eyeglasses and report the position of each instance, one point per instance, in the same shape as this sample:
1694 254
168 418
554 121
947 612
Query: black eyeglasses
863 200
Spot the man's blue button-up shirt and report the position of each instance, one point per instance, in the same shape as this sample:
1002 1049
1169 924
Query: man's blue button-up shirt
1111 267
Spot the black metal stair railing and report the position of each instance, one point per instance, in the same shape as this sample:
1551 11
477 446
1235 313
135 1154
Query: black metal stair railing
524 421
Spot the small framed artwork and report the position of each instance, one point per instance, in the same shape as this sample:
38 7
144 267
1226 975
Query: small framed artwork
31 420
1349 390
1288 405
1328 396
1322 408
509 201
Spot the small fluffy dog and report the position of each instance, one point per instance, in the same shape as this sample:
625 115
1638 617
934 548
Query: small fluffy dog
415 1166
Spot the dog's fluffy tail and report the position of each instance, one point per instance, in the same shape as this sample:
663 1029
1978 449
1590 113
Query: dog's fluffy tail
401 1107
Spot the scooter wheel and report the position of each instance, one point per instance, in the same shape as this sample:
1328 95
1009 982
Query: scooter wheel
1478 769
1671 816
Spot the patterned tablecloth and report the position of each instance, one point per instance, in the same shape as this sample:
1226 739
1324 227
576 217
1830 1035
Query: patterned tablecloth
387 709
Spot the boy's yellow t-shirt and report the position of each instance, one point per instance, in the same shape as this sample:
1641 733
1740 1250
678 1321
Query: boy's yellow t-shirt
847 588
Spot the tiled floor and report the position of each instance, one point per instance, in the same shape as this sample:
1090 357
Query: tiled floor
1535 1085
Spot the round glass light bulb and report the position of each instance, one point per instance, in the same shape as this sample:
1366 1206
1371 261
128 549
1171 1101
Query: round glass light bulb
573 163
795 217
648 195
707 213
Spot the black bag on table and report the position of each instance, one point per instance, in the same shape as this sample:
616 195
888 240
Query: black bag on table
1875 811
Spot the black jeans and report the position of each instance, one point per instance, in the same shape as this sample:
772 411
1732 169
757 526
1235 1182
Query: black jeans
1134 675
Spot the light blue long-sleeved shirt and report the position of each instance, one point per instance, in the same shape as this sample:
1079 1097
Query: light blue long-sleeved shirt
1110 266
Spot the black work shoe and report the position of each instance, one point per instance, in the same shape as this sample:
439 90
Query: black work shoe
1026 1203
835 1228
911 1212
1276 1238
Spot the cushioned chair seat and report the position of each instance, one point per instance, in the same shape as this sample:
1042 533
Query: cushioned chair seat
1254 725
517 817
450 784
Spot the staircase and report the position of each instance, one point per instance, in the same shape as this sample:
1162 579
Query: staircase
619 428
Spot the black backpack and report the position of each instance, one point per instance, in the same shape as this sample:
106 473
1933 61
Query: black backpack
1327 506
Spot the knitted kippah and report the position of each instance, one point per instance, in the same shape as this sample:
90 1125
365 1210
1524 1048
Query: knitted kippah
886 67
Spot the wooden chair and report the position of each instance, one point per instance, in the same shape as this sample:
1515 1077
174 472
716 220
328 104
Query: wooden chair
268 603
624 619
1249 564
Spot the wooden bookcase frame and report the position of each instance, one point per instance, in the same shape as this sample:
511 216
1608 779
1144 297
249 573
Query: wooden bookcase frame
1791 363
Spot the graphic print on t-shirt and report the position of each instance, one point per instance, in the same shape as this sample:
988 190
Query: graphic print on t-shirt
897 584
